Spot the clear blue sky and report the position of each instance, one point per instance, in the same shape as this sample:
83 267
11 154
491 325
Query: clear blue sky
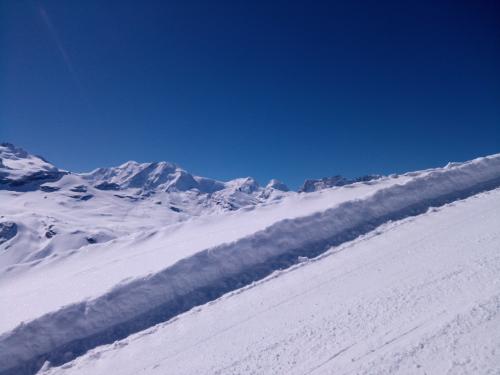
282 89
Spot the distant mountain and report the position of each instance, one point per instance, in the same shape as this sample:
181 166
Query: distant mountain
46 210
310 186
21 170
146 177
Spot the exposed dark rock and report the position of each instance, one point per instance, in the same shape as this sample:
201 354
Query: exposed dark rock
132 198
30 182
50 232
49 189
79 189
91 240
82 197
107 186
8 230
328 182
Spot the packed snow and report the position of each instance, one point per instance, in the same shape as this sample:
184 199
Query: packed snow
421 296
88 259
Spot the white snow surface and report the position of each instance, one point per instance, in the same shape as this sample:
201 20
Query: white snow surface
67 278
88 266
420 296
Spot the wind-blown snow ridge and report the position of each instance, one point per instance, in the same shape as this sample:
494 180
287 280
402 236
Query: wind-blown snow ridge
133 306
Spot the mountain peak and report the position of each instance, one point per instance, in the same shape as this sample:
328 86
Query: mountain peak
18 168
10 151
277 185
132 174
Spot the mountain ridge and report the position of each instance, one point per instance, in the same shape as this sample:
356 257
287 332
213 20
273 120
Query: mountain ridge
147 176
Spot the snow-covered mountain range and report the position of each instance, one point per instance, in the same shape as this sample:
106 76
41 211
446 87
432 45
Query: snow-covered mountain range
50 209
111 256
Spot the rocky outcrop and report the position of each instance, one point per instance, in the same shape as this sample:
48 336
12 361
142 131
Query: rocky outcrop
310 186
8 230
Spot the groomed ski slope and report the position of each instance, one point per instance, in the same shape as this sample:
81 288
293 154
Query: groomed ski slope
418 296
68 304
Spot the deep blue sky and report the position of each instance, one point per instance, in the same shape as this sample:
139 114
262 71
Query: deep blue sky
233 88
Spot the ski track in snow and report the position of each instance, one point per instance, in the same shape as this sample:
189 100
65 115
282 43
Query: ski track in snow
59 334
420 297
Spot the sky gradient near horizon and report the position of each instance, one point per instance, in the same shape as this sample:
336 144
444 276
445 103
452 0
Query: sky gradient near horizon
284 89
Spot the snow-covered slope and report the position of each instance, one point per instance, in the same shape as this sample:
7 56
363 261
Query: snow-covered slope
51 211
421 296
45 210
93 258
